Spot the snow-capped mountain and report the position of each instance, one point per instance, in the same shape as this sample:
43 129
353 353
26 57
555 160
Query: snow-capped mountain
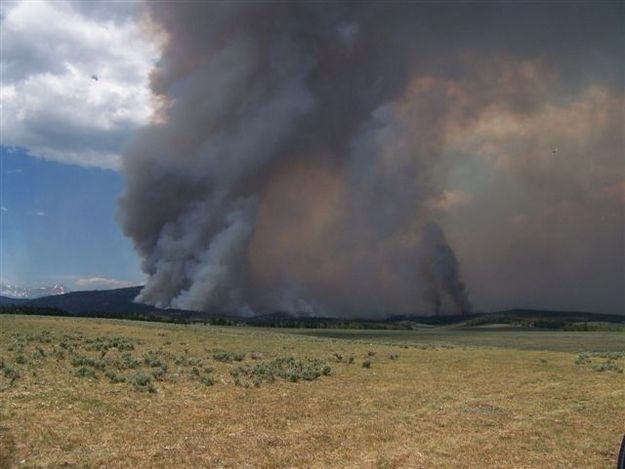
13 291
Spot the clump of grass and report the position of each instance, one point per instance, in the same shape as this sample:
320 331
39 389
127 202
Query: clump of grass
159 372
607 366
188 361
66 346
127 361
207 380
366 364
151 360
9 372
141 382
425 347
609 363
204 375
58 353
115 377
20 359
223 356
393 356
78 361
370 353
105 343
583 359
44 337
86 372
195 372
609 355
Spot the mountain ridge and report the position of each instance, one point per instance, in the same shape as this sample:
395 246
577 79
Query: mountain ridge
120 301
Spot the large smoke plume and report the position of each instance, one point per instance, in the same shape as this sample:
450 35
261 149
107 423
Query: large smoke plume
296 152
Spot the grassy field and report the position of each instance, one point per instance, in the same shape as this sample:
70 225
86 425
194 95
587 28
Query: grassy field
495 336
106 393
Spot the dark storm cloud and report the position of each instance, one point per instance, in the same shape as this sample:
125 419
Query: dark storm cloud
299 146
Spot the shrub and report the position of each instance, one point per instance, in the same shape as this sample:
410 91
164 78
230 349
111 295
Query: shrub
393 356
78 361
114 377
9 372
236 376
105 343
609 355
151 360
289 369
609 363
44 338
607 366
141 382
159 372
188 361
223 356
127 361
58 354
85 372
207 380
366 364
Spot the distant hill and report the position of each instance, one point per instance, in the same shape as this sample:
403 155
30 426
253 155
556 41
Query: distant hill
7 301
119 303
115 303
105 301
96 302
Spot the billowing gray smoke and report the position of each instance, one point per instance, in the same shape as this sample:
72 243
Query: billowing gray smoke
296 153
439 267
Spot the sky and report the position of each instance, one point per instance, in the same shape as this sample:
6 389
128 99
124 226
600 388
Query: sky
62 132
502 124
58 225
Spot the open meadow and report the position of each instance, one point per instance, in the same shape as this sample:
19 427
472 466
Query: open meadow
112 393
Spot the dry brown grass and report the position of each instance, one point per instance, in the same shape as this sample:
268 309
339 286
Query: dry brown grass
430 408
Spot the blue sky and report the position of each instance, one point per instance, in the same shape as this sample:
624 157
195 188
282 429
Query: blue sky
58 224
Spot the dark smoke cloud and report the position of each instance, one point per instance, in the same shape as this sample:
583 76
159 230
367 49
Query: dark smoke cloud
439 267
298 147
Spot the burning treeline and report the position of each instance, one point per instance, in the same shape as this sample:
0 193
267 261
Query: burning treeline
296 153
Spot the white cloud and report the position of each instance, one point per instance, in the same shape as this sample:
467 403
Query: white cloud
101 283
15 171
41 214
50 104
4 209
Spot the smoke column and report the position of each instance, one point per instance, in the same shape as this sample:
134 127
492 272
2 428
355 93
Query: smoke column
295 153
